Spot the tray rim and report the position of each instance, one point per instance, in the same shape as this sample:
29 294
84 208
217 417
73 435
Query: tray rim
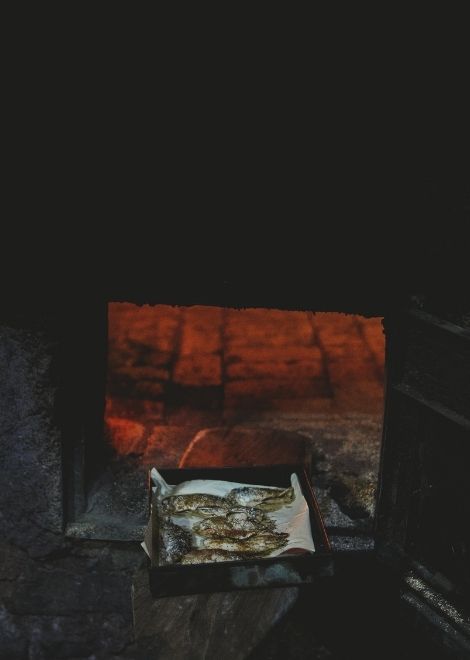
319 534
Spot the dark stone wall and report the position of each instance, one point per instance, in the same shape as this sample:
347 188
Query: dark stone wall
58 598
73 603
30 449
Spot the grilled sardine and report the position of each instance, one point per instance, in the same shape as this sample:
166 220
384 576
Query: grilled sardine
267 499
258 544
242 513
174 542
239 524
198 504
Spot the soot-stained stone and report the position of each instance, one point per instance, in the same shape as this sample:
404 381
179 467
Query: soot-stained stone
30 446
73 605
219 625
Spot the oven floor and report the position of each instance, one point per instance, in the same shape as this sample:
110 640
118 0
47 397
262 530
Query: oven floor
179 375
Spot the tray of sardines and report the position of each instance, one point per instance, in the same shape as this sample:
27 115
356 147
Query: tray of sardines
219 529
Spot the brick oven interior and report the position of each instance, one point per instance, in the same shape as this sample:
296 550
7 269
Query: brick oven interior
191 381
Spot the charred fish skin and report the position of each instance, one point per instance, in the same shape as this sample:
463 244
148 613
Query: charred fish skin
201 504
258 544
220 527
209 511
267 499
250 519
174 542
204 556
251 514
235 525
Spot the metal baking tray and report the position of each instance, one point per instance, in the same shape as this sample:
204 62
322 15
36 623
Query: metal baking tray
288 570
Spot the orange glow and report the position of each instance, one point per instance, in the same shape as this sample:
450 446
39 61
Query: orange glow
200 367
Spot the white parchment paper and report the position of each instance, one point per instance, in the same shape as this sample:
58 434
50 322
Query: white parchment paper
294 518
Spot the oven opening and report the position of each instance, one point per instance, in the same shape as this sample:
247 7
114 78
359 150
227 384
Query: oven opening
198 385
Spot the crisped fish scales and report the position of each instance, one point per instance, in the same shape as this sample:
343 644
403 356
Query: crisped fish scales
220 527
239 524
200 504
239 514
268 499
203 556
258 544
174 542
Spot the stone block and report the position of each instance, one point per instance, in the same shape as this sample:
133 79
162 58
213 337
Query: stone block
267 328
202 330
198 370
293 362
348 371
239 446
282 388
218 625
31 439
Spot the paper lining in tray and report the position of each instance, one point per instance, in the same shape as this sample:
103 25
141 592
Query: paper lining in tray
293 518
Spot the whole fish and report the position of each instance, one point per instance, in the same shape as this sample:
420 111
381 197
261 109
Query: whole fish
174 541
197 504
258 544
267 499
220 527
254 515
203 556
239 524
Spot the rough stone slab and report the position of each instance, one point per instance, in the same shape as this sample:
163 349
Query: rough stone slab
167 444
30 438
198 370
221 447
117 503
219 625
125 435
75 604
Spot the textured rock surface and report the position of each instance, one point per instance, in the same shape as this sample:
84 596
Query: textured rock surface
58 598
219 625
245 446
73 604
31 475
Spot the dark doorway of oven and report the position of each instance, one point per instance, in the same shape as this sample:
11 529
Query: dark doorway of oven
197 385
